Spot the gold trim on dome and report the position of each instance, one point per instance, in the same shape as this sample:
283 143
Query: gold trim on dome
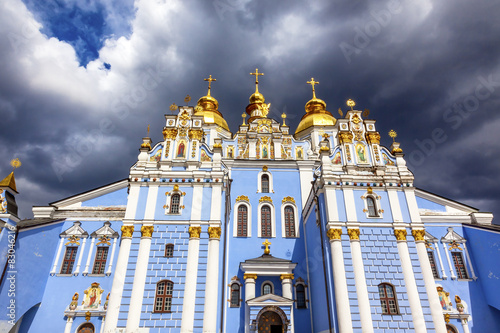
334 234
242 198
147 230
266 199
288 199
194 232
400 234
286 276
353 233
250 276
418 235
345 137
214 232
127 230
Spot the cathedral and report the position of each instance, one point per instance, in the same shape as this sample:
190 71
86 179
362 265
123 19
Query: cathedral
264 229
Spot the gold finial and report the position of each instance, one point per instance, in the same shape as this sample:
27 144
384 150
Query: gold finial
283 115
209 83
340 112
187 99
266 244
325 136
366 113
350 103
393 135
148 132
244 116
256 79
15 163
312 83
173 107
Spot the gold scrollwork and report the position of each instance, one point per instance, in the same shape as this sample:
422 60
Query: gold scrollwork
147 230
373 138
195 134
214 232
334 233
250 276
345 137
242 198
353 233
400 234
194 232
169 133
287 199
418 235
127 230
266 199
286 276
73 239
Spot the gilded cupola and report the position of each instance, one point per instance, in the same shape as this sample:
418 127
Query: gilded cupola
208 107
316 113
257 107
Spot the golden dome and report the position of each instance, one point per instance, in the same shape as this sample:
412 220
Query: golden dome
208 107
257 97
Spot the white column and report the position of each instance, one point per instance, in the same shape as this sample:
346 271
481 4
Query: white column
141 269
443 274
188 303
411 286
360 280
465 325
110 264
91 250
430 285
286 285
453 276
339 281
61 241
79 263
69 323
469 261
249 294
115 297
103 321
212 283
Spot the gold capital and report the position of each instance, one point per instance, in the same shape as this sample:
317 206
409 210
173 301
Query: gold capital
127 230
286 276
418 235
194 232
353 233
209 83
147 230
334 233
266 244
400 234
214 232
249 276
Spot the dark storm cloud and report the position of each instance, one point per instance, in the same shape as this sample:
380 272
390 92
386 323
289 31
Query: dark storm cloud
416 65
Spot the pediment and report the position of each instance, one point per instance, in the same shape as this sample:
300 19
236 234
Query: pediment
105 230
452 236
269 298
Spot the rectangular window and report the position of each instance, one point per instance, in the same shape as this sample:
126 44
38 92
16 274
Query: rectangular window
69 260
430 254
101 257
458 261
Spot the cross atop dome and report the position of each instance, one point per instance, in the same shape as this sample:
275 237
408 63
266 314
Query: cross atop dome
312 83
209 83
256 79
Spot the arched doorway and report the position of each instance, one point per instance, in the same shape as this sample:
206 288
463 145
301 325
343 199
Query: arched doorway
86 328
270 322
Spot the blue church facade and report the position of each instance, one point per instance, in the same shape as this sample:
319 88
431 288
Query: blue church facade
261 230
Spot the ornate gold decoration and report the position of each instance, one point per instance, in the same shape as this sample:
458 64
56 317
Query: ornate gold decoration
266 244
345 137
173 107
334 233
146 144
264 168
88 315
356 119
287 199
176 187
312 83
341 113
169 133
194 232
242 198
73 240
209 83
353 233
286 276
418 235
214 232
187 99
324 148
147 230
350 103
358 135
393 135
366 113
369 190
127 230
428 245
400 234
195 134
244 116
15 163
104 240
265 199
256 77
283 115
454 246
373 138
447 317
217 145
348 153
249 276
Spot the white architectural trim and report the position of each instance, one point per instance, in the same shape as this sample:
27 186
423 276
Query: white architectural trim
331 204
379 213
469 262
89 257
397 216
79 263
249 218
350 207
188 304
443 271
300 281
110 263
168 201
212 287
58 255
295 219
452 268
69 324
151 202
259 218
259 181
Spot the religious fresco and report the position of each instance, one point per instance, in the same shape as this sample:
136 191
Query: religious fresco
230 152
337 159
181 149
92 297
361 153
299 153
3 202
204 156
444 299
386 160
157 156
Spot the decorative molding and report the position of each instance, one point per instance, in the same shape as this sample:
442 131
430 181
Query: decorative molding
127 230
286 276
214 232
195 134
194 232
266 199
249 276
242 198
419 235
334 234
147 230
373 138
288 199
345 137
400 234
353 233
170 133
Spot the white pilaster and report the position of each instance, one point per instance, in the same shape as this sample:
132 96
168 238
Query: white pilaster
443 273
430 285
286 285
469 261
331 204
115 297
211 292
339 281
69 323
465 325
59 249
392 193
141 269
452 272
110 263
306 177
409 278
89 257
133 198
188 304
350 207
249 294
151 202
79 263
103 321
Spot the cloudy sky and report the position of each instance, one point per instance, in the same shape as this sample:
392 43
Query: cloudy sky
82 79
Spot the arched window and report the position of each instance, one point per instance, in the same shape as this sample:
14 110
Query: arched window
372 210
289 222
264 183
163 298
235 295
265 215
435 272
69 260
388 299
86 328
267 288
242 221
451 329
169 250
101 256
458 261
175 201
301 296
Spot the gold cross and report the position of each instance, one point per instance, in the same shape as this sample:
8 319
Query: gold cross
266 244
312 83
209 83
256 79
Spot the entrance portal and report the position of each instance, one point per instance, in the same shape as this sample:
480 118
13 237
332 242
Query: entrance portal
270 322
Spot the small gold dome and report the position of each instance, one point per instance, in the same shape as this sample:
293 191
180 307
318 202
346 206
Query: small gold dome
208 107
316 115
257 97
